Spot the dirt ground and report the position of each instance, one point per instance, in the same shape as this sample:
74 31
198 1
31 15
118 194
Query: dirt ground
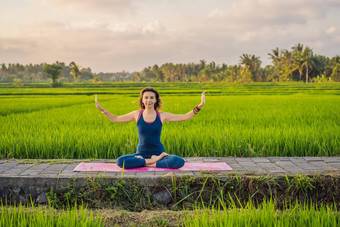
145 218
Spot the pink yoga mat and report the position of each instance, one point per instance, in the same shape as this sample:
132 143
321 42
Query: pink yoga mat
188 166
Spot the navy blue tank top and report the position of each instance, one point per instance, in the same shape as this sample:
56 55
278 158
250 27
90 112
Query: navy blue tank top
149 134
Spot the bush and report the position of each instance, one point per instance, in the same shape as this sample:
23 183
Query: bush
17 82
57 83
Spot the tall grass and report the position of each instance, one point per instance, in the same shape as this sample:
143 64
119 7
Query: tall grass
47 216
265 214
70 126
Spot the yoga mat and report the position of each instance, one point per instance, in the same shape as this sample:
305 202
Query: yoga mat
188 166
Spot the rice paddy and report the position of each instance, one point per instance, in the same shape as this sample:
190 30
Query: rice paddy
29 215
248 120
266 214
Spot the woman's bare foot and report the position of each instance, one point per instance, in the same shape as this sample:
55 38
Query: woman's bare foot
159 157
151 165
154 159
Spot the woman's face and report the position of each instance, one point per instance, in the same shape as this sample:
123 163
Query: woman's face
149 99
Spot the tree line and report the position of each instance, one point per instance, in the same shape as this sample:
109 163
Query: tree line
297 64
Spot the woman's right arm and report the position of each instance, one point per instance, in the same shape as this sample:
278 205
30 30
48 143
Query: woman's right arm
132 116
123 118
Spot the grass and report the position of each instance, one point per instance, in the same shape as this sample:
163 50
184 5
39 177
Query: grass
265 214
29 215
293 125
69 126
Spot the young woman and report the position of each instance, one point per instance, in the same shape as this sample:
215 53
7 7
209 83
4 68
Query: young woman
150 151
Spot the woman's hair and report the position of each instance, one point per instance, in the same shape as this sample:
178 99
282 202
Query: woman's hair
158 104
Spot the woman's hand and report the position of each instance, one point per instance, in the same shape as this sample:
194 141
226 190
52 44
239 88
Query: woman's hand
97 104
202 99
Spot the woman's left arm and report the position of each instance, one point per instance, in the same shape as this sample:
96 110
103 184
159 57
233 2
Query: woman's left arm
184 117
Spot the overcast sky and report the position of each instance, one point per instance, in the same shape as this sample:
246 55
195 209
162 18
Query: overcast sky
116 35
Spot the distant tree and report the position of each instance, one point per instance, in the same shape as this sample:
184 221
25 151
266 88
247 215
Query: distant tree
302 60
96 79
53 71
148 74
336 73
251 64
86 74
287 64
17 82
308 61
75 71
219 77
138 76
168 70
202 64
297 63
158 72
276 57
3 67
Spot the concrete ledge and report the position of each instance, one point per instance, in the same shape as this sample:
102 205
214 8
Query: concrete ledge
35 177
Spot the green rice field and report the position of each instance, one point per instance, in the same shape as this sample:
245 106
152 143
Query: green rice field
25 215
263 119
266 214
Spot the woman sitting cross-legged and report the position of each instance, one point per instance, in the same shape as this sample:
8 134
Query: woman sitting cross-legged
150 150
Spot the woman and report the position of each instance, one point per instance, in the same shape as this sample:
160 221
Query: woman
150 151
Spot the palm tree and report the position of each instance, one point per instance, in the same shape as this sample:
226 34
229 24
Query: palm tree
275 56
75 71
307 60
245 60
251 63
277 60
168 70
302 60
159 75
202 64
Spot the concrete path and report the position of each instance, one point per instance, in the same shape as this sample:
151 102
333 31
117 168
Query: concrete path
12 168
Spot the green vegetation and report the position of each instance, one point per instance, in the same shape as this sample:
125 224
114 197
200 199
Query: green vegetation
186 191
265 214
234 200
297 64
53 71
238 120
47 216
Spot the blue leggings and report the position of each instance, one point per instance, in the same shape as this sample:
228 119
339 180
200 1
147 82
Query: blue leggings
130 161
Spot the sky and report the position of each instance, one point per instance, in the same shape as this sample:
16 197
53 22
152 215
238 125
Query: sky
117 35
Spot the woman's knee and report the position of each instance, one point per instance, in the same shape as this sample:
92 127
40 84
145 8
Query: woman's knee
174 162
179 162
121 160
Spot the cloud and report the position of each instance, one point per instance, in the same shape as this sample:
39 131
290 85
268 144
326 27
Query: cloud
252 15
154 27
219 34
331 30
256 27
119 7
92 45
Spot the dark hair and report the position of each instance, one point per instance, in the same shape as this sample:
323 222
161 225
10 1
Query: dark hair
158 104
